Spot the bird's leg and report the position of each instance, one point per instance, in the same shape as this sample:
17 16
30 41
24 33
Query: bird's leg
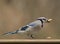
30 35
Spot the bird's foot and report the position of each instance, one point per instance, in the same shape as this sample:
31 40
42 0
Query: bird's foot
31 36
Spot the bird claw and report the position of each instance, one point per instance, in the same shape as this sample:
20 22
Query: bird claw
31 36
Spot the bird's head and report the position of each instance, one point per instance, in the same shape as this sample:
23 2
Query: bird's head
44 19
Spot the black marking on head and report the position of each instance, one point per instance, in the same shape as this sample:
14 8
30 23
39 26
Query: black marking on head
44 19
41 22
24 28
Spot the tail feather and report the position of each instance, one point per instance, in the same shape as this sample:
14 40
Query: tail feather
15 32
8 33
21 30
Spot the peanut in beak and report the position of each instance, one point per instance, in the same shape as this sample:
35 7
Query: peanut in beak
49 20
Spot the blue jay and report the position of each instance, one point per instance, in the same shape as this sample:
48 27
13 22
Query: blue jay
39 22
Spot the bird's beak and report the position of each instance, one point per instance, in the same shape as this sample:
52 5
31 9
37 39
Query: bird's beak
49 20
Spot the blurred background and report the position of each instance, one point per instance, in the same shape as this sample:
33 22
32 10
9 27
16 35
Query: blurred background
17 13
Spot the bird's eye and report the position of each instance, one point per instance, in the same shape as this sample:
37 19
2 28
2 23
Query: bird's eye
44 19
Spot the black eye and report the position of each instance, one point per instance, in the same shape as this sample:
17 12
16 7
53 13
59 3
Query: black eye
44 19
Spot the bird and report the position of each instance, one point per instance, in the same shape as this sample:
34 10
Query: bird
38 22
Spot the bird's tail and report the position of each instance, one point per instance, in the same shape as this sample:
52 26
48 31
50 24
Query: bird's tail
15 32
8 33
